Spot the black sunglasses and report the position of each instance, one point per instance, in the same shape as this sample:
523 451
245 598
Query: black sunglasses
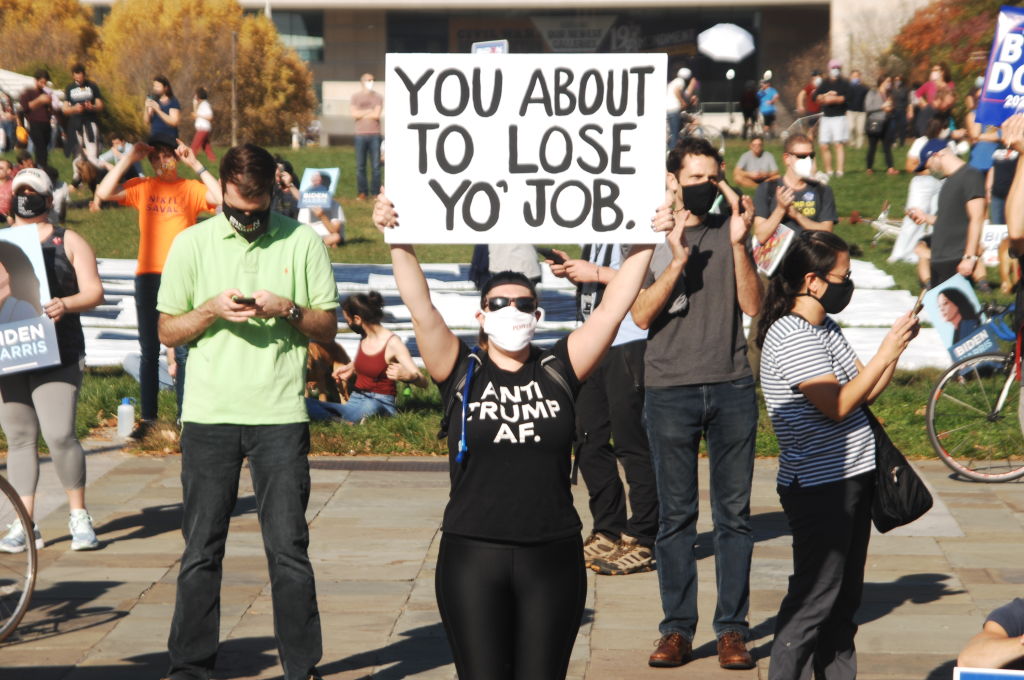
802 155
845 278
527 305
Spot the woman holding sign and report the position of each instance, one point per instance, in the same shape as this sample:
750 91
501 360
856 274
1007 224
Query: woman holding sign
510 578
46 399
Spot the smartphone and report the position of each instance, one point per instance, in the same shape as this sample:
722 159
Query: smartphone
549 254
919 304
239 300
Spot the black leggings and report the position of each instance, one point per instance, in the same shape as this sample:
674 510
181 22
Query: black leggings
511 612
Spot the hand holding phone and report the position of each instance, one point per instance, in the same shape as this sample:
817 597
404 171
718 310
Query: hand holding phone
239 300
550 254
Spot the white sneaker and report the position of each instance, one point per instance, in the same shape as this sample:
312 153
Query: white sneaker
83 537
15 540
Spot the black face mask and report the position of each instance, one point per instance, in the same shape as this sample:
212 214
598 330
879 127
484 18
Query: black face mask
358 330
698 198
28 206
836 296
249 224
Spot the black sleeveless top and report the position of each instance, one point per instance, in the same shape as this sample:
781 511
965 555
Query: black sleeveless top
60 275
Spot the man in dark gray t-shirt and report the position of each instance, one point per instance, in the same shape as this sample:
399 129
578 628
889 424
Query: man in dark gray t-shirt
699 384
956 238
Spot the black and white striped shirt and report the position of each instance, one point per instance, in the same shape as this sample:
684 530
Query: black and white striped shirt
813 448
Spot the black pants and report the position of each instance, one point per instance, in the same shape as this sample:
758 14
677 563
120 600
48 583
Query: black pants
511 612
610 428
944 269
211 460
147 317
814 631
39 133
885 139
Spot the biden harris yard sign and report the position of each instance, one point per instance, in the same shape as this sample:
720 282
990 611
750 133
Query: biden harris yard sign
525 148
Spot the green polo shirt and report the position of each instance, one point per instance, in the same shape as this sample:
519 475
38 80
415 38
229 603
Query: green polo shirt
250 373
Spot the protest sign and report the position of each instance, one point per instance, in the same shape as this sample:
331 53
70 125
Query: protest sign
1002 95
960 673
954 311
525 148
316 190
28 339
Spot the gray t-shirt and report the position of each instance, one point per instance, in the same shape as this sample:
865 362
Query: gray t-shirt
763 163
949 236
704 342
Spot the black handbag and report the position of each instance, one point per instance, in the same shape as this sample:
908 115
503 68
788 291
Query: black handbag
900 495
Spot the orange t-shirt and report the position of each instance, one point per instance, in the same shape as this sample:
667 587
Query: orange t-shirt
165 210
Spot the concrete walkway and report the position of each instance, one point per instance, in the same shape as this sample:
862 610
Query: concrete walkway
105 615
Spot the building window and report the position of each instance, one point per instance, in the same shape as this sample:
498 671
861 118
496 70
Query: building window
303 32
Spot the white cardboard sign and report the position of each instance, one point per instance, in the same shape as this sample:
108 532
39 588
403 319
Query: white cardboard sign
525 148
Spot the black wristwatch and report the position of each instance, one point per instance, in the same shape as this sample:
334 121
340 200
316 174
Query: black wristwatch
294 313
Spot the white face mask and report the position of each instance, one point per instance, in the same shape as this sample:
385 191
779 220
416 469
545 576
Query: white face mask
804 167
834 72
368 84
817 81
510 329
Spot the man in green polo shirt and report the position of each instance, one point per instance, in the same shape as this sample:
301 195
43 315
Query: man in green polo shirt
245 290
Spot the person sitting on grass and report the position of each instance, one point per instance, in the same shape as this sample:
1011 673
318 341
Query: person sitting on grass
381 361
328 222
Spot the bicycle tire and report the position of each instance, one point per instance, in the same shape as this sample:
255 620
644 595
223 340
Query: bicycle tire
969 433
17 570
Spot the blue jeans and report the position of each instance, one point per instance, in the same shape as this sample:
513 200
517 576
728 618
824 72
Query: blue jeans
675 124
997 210
677 417
359 406
368 145
210 464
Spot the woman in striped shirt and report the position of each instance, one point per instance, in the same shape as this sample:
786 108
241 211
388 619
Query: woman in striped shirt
814 388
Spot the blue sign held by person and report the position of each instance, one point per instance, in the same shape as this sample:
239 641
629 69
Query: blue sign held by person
1003 92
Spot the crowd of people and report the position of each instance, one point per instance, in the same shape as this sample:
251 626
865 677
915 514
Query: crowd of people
659 363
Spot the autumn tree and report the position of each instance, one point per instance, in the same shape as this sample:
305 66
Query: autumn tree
189 42
54 34
956 32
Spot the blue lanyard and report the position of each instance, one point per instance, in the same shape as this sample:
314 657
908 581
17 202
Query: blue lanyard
463 447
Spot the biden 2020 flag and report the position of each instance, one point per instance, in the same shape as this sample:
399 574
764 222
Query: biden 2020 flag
28 339
1003 92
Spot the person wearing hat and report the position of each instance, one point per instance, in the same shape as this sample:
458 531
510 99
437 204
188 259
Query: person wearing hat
45 400
167 205
834 128
957 224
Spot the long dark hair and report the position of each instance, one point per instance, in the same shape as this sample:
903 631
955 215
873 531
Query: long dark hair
168 90
368 306
960 300
811 252
23 280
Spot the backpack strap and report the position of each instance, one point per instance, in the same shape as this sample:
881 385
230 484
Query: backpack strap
457 390
555 369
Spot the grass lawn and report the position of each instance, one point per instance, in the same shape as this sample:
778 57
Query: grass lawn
113 233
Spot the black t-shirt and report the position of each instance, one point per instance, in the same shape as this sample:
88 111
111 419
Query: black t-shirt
1004 165
284 202
815 201
841 86
1010 616
513 484
950 234
86 93
858 92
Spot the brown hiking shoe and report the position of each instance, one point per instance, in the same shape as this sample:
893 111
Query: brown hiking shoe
596 546
672 650
629 558
732 652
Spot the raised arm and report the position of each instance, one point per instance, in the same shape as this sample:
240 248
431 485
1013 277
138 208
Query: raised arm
1013 135
749 292
588 343
438 346
108 189
188 157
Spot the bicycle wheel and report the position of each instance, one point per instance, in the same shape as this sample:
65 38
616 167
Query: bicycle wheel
972 419
17 570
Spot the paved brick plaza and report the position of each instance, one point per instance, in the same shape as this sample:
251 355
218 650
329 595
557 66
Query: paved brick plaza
105 615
